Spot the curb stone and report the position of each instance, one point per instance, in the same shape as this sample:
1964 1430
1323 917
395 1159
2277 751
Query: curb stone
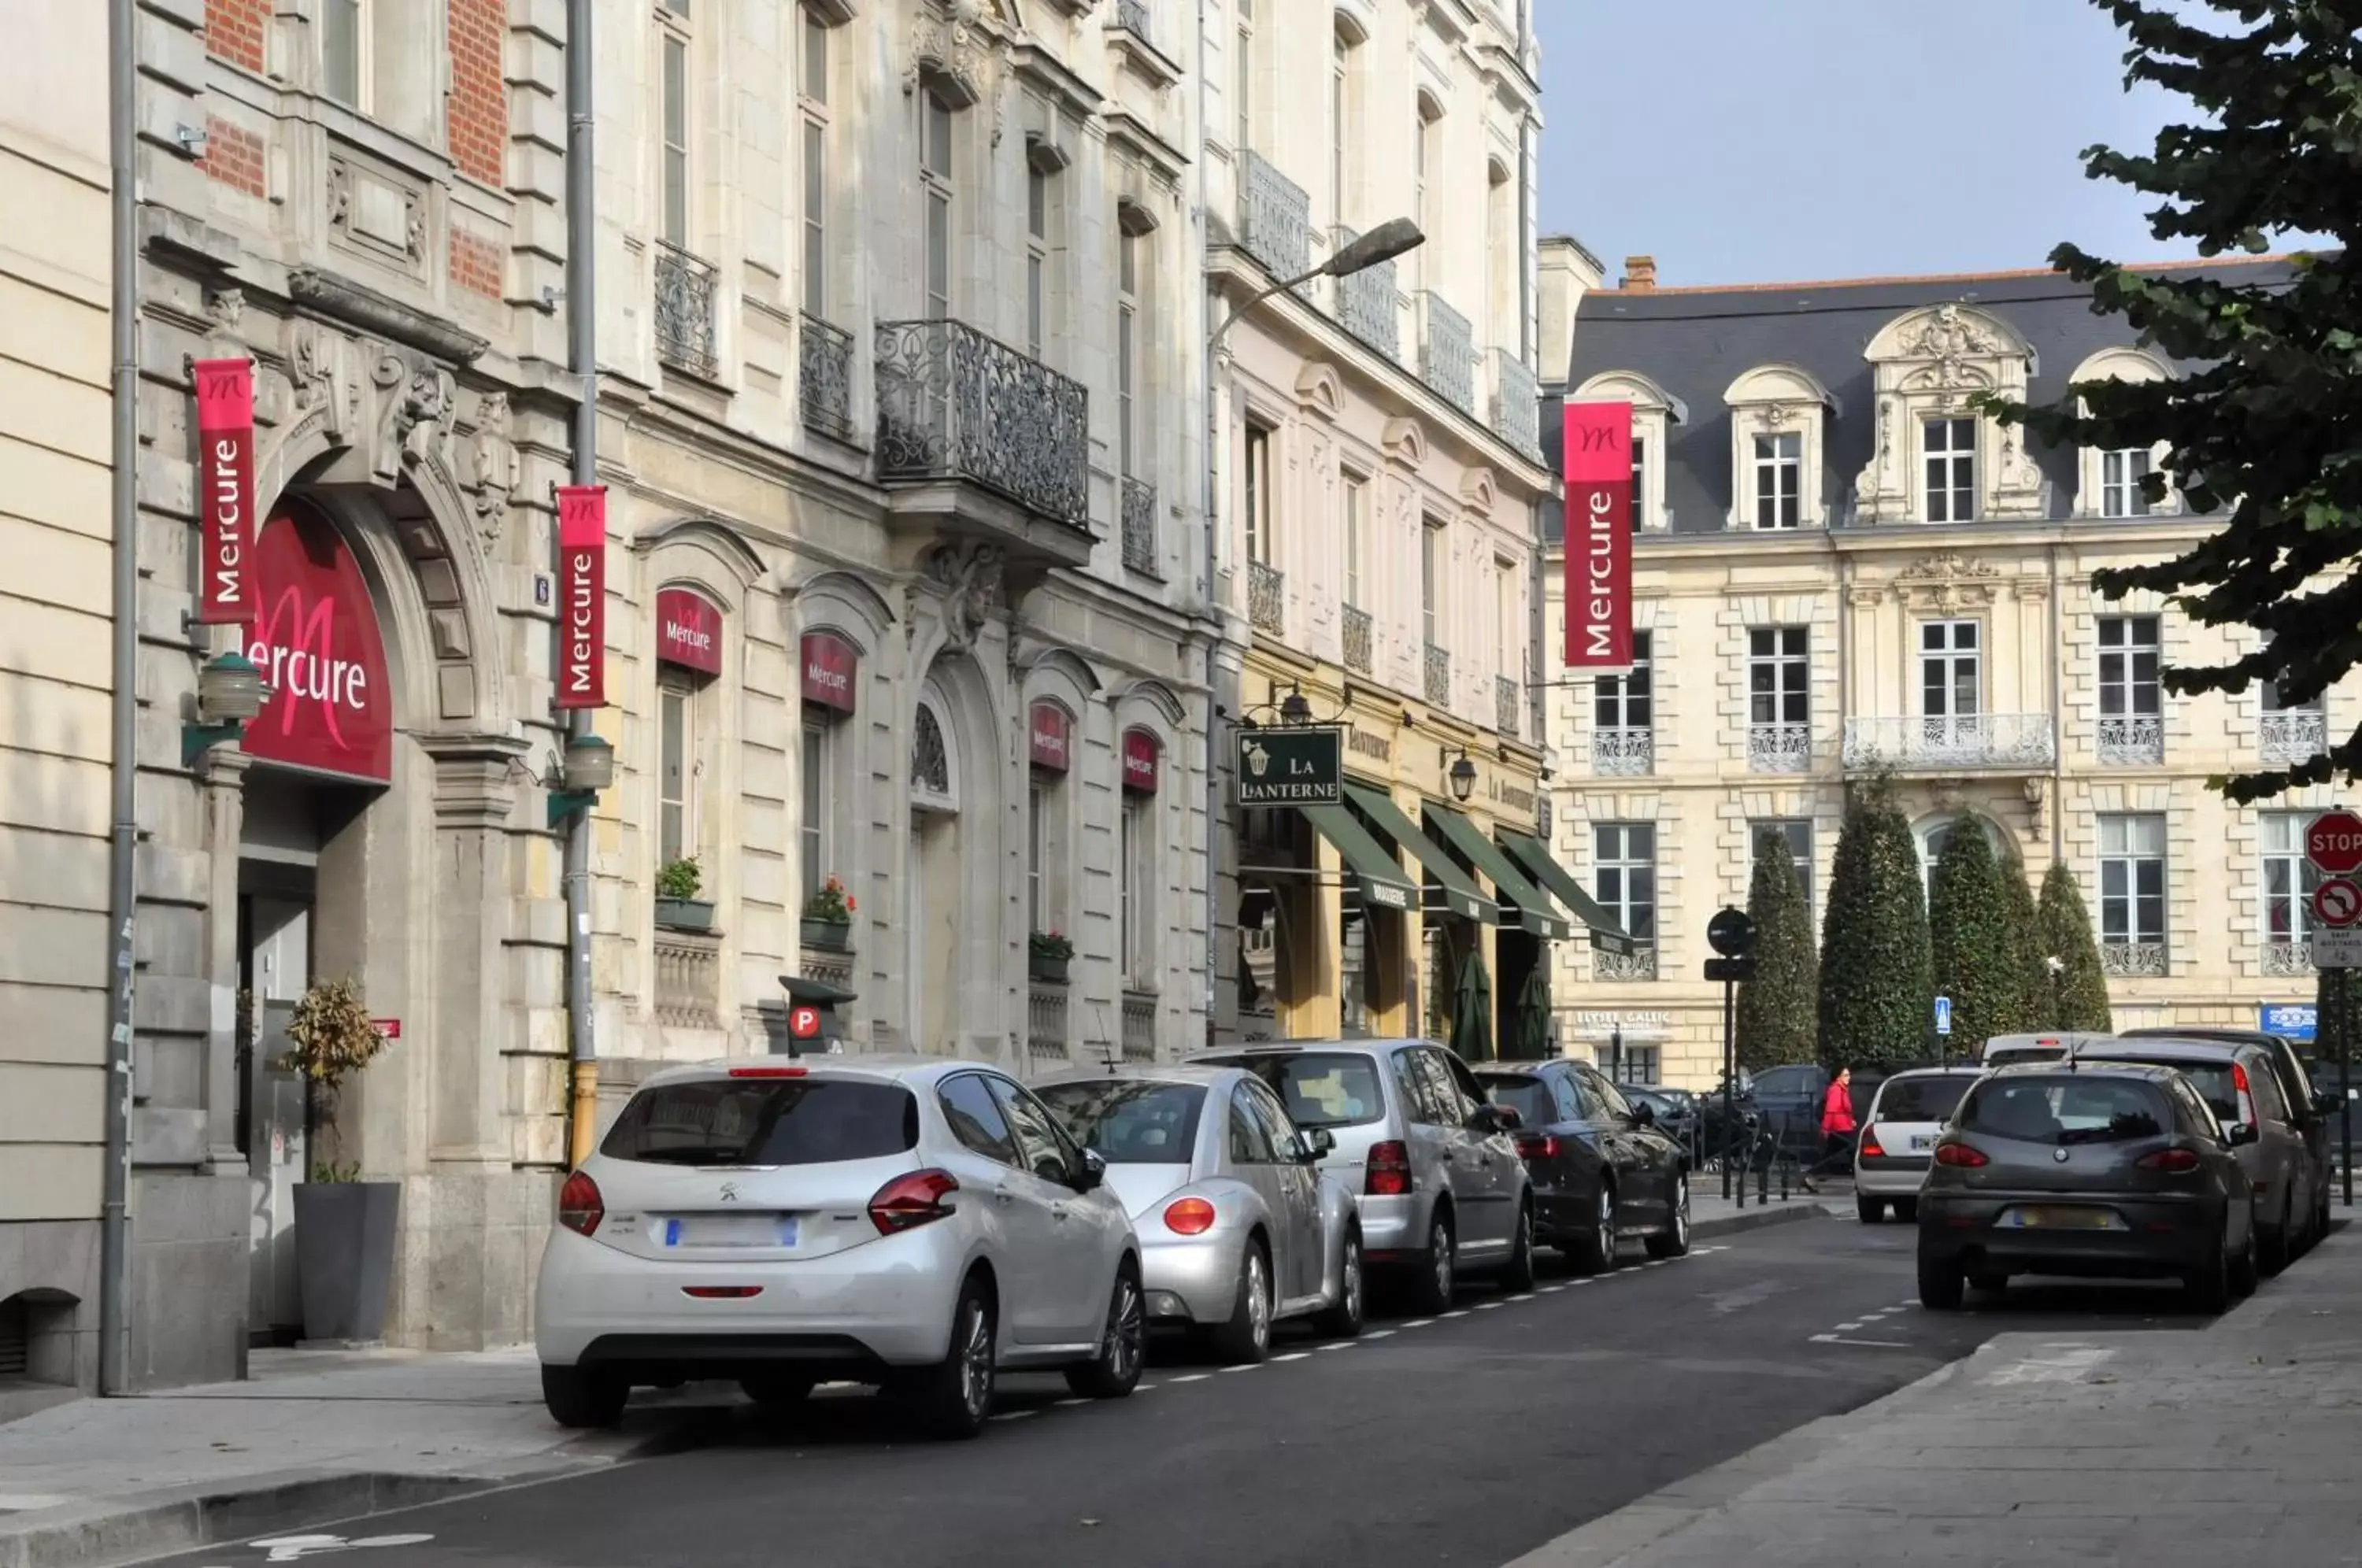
1756 1219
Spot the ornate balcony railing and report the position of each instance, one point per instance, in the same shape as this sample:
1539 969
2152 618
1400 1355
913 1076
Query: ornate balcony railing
1276 220
1508 706
2131 740
1267 597
2132 957
1439 676
1139 527
2282 957
1640 964
1447 351
1045 1025
2293 735
1368 302
952 404
1139 1026
688 979
1966 740
1516 403
685 295
1358 650
1778 748
1131 15
824 376
1624 752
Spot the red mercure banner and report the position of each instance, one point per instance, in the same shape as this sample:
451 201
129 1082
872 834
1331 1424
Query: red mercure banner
315 639
1600 535
829 665
688 631
1143 761
582 596
225 591
1052 737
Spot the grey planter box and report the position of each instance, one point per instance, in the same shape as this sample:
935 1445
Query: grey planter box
827 936
685 914
343 1257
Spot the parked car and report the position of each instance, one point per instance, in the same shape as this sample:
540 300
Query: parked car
1789 1100
2091 1170
2003 1050
1601 1168
2240 1086
2317 1104
1676 1112
1898 1138
918 1224
1436 1181
1238 1226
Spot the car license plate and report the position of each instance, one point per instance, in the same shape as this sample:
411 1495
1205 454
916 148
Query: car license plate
2060 1219
1922 1142
731 1230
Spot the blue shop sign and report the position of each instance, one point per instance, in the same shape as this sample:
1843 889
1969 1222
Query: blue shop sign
2290 1021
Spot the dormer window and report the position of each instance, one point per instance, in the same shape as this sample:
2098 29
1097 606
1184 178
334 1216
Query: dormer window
1776 418
1779 480
2108 480
1948 451
1936 462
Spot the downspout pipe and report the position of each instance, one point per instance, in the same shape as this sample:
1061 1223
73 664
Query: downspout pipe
582 358
122 893
1206 598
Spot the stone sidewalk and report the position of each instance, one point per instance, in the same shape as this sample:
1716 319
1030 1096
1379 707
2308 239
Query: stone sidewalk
2236 1442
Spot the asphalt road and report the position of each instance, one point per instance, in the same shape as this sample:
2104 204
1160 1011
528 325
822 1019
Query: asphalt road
1466 1440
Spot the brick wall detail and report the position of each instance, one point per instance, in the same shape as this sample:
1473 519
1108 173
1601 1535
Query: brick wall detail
478 265
235 28
478 115
235 157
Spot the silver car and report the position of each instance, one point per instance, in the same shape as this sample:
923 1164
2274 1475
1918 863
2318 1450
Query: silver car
1433 1170
1238 1226
1898 1139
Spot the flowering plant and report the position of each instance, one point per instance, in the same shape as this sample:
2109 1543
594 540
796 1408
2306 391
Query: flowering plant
1049 944
832 904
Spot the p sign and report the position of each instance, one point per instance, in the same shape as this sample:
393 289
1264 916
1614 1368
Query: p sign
1943 1015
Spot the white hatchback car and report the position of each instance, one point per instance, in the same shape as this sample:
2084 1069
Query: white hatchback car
915 1224
1898 1138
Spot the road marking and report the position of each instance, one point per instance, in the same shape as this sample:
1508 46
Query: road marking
1656 1262
1847 1328
1192 1377
1486 1306
1457 1312
1340 1344
1415 1323
1064 1404
1293 1356
1243 1366
1012 1414
1551 1289
1381 1334
1588 1279
1523 1295
1881 1345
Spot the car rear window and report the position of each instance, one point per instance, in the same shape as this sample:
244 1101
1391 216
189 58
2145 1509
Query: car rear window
1921 1100
1322 1089
2009 1054
764 1122
2066 1108
1128 1122
2211 1079
1523 1093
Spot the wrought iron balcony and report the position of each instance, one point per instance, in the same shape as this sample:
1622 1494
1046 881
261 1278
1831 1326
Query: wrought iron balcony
1624 752
2283 956
1640 964
1139 527
686 287
2131 740
1778 748
824 377
1276 219
1267 597
1131 15
1439 677
1368 302
1139 1026
2132 958
1358 650
1447 351
1516 403
955 404
2293 736
1508 706
2005 741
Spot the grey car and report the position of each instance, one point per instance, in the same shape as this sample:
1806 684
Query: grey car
1238 1226
2315 1110
1435 1175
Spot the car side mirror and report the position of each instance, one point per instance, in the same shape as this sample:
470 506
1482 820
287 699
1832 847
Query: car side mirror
1495 1119
2239 1133
1092 1174
1644 1115
1317 1143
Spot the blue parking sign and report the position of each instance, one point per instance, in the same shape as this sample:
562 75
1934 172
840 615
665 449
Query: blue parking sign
2290 1020
1943 1015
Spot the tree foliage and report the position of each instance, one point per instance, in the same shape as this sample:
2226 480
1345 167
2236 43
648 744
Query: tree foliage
1778 1011
2080 988
2265 414
1977 960
1878 984
2025 943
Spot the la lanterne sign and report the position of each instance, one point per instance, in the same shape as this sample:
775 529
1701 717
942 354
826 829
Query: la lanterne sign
227 594
582 596
1599 536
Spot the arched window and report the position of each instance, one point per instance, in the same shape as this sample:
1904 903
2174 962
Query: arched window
1936 832
934 773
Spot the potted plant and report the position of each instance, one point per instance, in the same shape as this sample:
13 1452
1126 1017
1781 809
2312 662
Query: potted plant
828 917
677 905
343 1227
1047 955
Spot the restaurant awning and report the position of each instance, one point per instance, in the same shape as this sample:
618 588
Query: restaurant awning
1528 852
1534 911
1459 894
1383 880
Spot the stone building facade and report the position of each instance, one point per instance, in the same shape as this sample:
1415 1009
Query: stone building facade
1840 569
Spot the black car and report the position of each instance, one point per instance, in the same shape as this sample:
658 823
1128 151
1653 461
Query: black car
1600 1169
1675 1110
2092 1170
2315 1108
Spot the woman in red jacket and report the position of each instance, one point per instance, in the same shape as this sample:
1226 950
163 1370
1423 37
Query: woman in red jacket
1837 1128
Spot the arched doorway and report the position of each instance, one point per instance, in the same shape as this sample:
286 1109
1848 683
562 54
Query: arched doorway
931 878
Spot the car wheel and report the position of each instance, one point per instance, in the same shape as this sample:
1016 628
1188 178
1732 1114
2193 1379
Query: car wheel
1114 1372
1674 1240
2210 1288
1990 1282
2277 1244
1594 1250
1942 1287
2243 1270
1906 1210
1344 1319
1871 1209
583 1395
952 1398
1520 1275
1432 1289
1246 1338
777 1390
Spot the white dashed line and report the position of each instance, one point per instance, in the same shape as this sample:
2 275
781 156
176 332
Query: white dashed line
1456 1313
1293 1356
1486 1306
1656 1262
1879 1344
1192 1377
1014 1415
1068 1404
1382 1335
1553 1290
1417 1323
1523 1295
1847 1328
1245 1366
1340 1344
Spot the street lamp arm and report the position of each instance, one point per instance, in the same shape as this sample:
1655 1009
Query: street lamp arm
1215 336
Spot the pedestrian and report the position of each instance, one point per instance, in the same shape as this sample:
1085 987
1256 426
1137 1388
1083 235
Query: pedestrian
1837 1128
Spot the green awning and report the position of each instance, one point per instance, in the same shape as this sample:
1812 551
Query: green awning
1534 911
1606 934
1459 894
1383 880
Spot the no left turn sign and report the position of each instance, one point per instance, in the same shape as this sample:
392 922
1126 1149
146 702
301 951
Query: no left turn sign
2337 902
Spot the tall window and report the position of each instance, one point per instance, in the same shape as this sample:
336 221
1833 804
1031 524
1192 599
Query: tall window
819 864
1427 166
1431 567
1639 484
814 97
1341 125
1138 894
935 183
1257 493
2132 892
1950 680
1796 835
1949 446
1624 859
1779 666
2289 878
676 772
1513 623
1357 523
1037 260
1242 78
344 52
1779 480
1622 702
1127 348
675 45
2120 477
2130 717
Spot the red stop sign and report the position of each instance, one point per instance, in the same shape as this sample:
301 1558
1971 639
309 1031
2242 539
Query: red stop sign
2332 840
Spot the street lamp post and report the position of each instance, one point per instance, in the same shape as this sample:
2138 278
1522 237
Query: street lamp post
2057 967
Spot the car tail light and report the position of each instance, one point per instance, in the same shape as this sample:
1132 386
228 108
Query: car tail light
2247 1099
579 1207
1537 1145
909 1202
770 1072
722 1292
2173 1161
1389 1170
1189 1217
1870 1147
1960 1156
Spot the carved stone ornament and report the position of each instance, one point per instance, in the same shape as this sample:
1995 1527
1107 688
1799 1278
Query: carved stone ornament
1948 564
225 308
954 42
967 579
1778 416
414 418
495 463
2038 800
1947 335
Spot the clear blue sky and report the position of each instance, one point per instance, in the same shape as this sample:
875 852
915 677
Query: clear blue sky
1746 142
